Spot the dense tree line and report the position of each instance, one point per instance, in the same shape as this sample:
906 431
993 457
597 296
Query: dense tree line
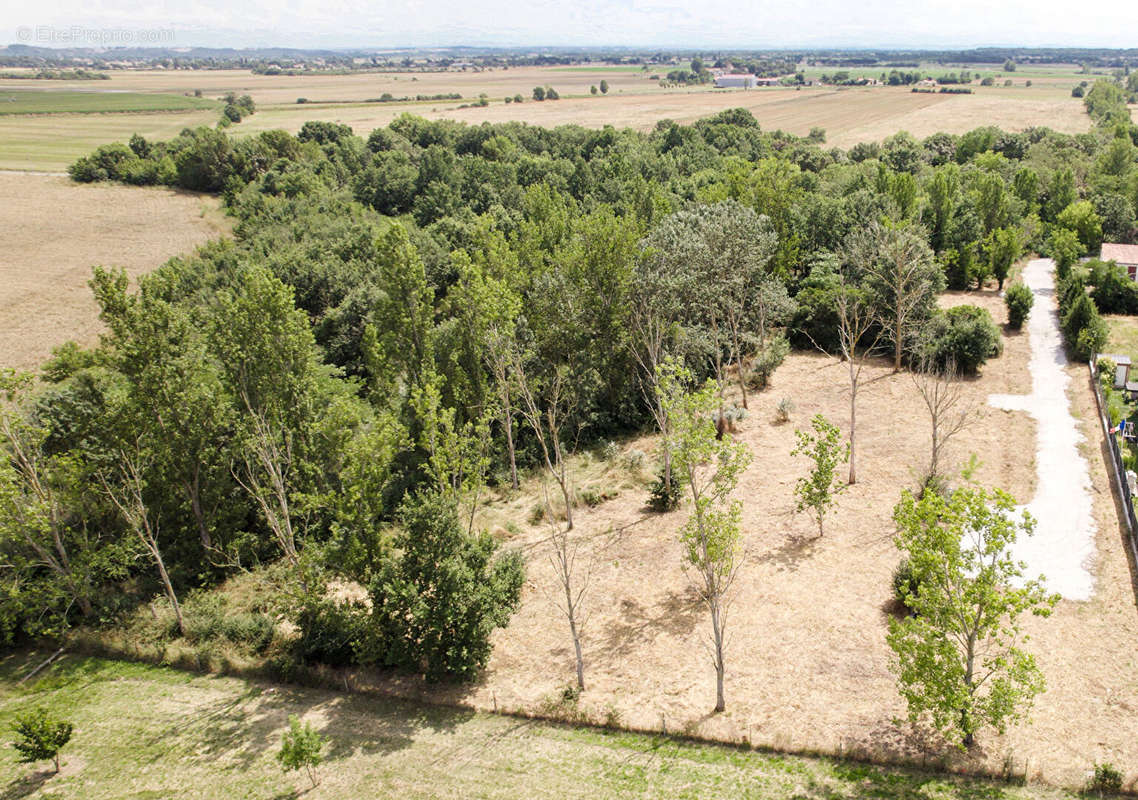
400 320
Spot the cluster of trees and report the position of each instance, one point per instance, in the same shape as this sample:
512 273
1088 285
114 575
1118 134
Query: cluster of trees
236 109
402 320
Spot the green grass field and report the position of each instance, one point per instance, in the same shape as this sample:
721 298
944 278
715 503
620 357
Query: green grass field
23 101
150 732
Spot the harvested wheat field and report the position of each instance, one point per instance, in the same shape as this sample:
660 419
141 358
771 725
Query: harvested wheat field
56 231
808 666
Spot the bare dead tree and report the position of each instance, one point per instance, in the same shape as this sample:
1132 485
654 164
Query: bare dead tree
950 410
574 579
264 473
126 495
545 422
856 320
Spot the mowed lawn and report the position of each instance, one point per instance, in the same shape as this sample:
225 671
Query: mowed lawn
151 732
24 101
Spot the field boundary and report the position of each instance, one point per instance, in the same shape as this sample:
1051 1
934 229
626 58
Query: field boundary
1115 462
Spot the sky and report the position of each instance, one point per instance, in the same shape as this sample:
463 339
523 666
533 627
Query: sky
594 23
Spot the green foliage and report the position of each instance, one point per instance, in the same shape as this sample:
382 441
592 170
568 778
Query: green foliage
1019 299
1081 218
301 748
1083 327
1114 292
905 583
767 360
817 491
40 737
1105 779
1065 248
441 593
960 658
962 335
664 495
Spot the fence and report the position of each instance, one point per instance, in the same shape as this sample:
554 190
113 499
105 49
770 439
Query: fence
1115 460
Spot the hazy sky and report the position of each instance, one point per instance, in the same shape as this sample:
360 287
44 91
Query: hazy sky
710 23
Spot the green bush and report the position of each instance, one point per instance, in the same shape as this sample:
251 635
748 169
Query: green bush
331 633
905 584
1019 300
1106 779
964 336
301 747
766 361
435 603
663 497
1114 292
1083 327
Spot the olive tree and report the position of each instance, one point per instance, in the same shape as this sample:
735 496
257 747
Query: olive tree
710 467
959 658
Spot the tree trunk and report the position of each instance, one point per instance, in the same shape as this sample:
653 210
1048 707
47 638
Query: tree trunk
193 489
717 632
897 347
853 429
509 425
169 588
577 649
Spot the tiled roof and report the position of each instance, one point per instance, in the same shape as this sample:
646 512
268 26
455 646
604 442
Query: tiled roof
1122 253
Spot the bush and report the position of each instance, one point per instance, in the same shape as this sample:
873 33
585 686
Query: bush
784 409
1083 328
331 633
1091 339
662 497
1019 300
610 451
634 460
766 361
1106 779
435 603
964 336
905 584
1114 292
39 737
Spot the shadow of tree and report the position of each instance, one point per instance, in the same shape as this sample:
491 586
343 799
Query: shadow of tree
678 614
789 556
26 785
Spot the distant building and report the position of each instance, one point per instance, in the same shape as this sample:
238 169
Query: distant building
1125 255
736 81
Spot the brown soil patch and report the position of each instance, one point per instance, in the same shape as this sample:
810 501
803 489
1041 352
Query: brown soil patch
58 230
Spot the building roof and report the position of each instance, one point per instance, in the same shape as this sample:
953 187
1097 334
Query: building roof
1122 253
1119 360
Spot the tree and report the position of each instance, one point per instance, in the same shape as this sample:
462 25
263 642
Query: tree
538 93
959 657
1081 218
593 89
126 496
301 747
604 87
1004 247
1065 249
574 580
440 593
949 410
710 467
856 318
816 492
40 737
900 270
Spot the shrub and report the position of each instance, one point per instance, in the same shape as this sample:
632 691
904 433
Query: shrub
435 603
964 336
1084 329
662 497
766 361
1019 300
610 451
905 583
784 409
1106 779
331 633
1114 292
1105 369
634 460
39 737
301 747
1091 339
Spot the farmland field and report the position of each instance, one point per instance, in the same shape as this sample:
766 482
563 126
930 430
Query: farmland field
143 732
848 115
27 101
45 266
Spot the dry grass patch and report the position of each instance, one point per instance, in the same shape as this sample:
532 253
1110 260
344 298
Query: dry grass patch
57 230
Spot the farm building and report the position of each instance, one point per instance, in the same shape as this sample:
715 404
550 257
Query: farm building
1125 255
729 81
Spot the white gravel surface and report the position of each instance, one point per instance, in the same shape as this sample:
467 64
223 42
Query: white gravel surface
1063 547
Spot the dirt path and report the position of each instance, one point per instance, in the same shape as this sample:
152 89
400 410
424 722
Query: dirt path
1063 546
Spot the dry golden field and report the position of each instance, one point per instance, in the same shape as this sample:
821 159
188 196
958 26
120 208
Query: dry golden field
808 667
56 231
849 115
